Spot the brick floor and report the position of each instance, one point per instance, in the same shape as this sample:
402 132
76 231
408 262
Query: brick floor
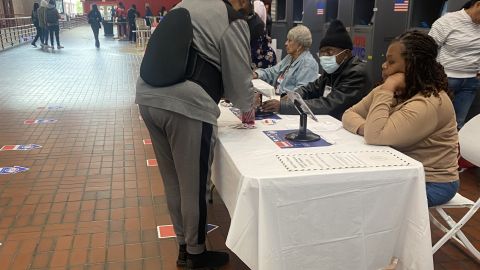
88 200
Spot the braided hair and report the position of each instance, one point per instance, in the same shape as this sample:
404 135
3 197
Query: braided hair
469 4
423 74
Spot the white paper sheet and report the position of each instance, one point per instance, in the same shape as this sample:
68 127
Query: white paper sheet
339 160
263 87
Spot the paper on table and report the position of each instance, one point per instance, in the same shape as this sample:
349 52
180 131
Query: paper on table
263 87
327 126
340 160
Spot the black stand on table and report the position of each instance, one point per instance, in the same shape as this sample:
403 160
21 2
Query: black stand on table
302 134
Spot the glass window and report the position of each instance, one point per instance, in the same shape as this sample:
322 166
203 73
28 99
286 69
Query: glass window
332 10
59 6
297 10
280 11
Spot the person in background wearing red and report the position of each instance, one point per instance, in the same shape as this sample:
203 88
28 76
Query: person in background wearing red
121 20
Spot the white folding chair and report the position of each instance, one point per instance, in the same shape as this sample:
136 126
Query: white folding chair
470 151
143 32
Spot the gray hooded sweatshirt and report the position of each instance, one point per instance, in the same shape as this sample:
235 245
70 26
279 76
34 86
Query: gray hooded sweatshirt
225 45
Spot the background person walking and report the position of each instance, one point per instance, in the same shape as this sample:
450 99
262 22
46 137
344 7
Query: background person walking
36 24
95 19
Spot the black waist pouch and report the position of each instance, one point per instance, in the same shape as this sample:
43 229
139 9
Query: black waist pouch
170 58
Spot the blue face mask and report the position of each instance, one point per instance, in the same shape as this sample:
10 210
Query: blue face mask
329 63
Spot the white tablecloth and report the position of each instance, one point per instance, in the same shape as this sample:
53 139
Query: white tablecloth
357 218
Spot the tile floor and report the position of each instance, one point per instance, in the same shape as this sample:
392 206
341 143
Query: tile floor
88 200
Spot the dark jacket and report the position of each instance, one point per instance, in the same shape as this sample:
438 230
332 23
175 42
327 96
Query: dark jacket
35 18
95 18
349 84
131 15
148 13
52 15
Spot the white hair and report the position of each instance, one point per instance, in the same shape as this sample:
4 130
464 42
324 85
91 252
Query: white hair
300 34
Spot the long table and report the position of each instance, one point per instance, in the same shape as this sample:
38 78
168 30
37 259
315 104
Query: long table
284 218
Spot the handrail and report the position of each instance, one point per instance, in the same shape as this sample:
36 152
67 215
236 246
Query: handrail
14 18
19 30
13 15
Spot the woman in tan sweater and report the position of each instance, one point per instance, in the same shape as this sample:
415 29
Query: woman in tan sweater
412 112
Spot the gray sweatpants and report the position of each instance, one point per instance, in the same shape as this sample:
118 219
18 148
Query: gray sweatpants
184 151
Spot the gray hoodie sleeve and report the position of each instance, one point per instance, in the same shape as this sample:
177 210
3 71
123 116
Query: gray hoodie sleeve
235 65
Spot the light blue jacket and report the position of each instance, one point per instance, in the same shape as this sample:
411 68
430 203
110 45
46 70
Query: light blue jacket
302 71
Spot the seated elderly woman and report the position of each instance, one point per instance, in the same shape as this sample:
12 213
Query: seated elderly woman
343 83
413 113
297 68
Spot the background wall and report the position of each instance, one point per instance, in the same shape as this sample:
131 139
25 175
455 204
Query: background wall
18 7
155 5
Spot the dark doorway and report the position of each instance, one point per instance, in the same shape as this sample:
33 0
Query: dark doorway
8 8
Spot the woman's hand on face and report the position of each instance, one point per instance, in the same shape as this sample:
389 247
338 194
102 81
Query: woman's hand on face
395 83
361 130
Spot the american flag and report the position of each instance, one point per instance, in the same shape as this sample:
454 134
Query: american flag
320 8
400 6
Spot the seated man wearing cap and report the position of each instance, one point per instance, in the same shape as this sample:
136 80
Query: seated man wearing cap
343 82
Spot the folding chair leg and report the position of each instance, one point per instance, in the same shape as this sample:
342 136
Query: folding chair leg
455 233
212 188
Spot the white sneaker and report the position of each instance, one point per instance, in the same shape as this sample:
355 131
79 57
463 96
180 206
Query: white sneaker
60 47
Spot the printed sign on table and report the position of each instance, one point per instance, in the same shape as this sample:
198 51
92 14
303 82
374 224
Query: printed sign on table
340 160
50 108
12 170
166 231
20 147
278 137
39 121
262 116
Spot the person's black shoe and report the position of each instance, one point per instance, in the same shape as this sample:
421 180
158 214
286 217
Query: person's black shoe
182 256
206 260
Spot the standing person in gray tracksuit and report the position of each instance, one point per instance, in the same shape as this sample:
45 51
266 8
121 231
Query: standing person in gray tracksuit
182 121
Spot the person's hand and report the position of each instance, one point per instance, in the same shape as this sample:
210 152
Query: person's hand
361 130
272 105
394 83
257 100
248 117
